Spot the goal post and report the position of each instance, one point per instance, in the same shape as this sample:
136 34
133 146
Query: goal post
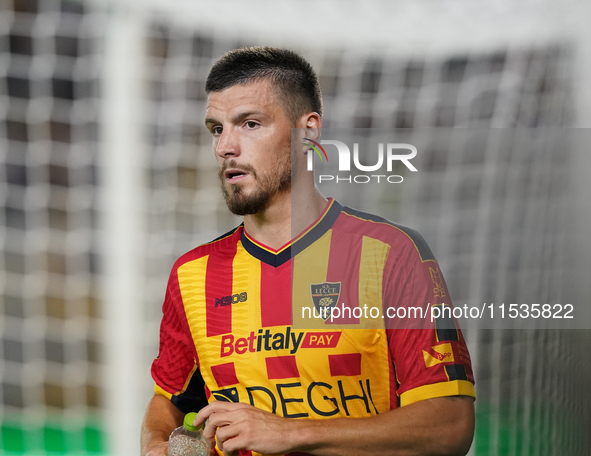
124 215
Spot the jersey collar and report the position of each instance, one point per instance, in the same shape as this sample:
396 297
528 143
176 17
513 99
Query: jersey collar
311 234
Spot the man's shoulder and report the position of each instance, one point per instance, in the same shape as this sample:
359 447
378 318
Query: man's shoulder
226 241
380 228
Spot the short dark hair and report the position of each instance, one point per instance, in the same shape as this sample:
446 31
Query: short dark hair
291 75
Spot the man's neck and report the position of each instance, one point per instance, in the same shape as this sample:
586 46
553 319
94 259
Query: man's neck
287 215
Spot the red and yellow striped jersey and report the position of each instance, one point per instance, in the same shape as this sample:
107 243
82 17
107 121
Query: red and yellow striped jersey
243 322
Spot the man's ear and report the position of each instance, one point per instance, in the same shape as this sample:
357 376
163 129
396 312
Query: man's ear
312 122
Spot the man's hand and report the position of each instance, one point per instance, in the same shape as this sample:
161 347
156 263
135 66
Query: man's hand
160 449
417 429
241 426
161 418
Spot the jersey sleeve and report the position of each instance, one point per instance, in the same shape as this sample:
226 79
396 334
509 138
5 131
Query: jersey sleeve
175 370
430 358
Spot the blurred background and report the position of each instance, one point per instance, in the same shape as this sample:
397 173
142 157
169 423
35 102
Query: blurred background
107 176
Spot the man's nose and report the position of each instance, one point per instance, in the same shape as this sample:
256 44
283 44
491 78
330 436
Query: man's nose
227 145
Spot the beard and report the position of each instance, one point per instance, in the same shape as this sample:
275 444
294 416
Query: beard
276 181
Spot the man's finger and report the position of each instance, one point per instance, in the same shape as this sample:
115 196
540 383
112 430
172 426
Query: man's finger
214 423
216 407
228 440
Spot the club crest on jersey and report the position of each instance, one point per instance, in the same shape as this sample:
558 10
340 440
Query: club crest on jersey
325 297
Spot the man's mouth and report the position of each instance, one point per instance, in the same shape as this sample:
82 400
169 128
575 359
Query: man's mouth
233 175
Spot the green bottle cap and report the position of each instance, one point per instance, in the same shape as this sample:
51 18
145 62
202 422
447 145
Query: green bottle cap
188 422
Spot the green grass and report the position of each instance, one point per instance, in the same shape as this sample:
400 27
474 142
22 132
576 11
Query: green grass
540 430
52 438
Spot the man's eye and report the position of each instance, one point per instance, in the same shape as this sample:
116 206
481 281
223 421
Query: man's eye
251 124
216 131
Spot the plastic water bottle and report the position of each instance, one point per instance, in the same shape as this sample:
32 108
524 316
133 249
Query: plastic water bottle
187 440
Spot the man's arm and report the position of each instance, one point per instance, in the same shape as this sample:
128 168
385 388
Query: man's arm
161 418
440 426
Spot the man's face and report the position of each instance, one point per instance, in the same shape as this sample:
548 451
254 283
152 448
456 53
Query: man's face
252 143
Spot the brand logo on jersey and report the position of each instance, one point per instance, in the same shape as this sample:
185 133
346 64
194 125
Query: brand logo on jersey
226 395
231 299
324 399
265 340
325 297
442 353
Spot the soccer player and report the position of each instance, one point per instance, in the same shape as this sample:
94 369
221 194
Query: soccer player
228 346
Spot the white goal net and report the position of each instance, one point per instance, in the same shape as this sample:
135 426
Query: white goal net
101 116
